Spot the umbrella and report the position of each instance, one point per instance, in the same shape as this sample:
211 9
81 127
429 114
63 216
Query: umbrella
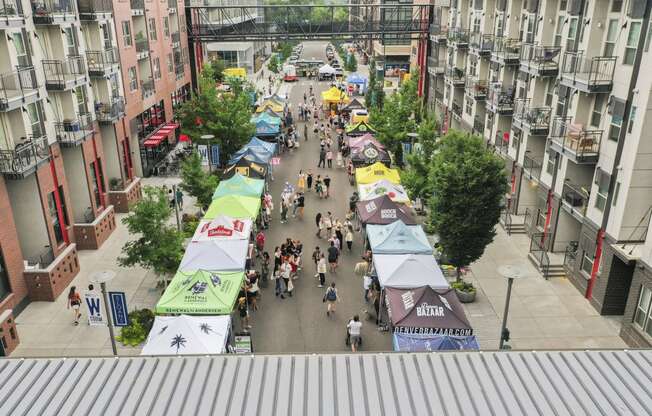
215 254
375 173
235 206
382 210
240 185
201 292
409 271
223 228
184 334
383 187
397 238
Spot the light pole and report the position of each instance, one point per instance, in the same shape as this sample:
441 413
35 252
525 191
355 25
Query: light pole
510 273
102 277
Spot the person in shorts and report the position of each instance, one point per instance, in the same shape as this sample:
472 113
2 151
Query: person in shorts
333 255
354 328
74 302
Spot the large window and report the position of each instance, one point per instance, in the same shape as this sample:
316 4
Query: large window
572 33
170 63
157 68
54 217
558 31
612 34
166 26
602 180
152 29
632 43
598 109
616 6
5 287
126 33
36 118
643 315
133 79
587 262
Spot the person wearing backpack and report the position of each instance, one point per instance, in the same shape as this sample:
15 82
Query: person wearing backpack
331 297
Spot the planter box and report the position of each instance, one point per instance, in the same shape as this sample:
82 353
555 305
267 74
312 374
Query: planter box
465 297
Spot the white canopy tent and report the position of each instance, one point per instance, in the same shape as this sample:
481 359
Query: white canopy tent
215 255
383 187
327 69
185 335
407 271
223 228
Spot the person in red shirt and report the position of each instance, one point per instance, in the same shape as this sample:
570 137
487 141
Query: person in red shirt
260 243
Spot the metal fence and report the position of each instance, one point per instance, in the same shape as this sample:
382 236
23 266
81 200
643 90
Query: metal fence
25 156
14 84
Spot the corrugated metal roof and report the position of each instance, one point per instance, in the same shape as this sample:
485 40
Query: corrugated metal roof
444 383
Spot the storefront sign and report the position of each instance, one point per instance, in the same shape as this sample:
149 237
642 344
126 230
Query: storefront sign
215 154
456 332
242 343
388 213
276 161
119 311
94 308
202 149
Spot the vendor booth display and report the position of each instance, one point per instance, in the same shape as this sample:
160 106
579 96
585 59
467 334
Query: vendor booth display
362 141
408 271
397 238
357 80
240 185
368 155
223 228
246 168
358 129
201 292
267 117
186 335
326 72
382 210
235 206
334 96
373 190
213 254
375 173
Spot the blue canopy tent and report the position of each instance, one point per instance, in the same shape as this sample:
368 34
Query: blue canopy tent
255 142
266 117
397 238
422 342
258 155
359 80
263 128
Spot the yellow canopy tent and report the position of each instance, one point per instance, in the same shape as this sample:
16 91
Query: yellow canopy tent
334 96
376 172
235 72
272 105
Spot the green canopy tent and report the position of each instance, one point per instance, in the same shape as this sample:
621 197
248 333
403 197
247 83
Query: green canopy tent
201 292
235 206
240 185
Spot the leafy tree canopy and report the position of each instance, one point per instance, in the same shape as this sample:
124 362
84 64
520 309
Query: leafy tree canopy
196 181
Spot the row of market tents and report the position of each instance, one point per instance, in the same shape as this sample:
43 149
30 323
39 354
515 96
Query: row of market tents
422 309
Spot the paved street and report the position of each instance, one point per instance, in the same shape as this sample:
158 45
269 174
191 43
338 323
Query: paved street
543 315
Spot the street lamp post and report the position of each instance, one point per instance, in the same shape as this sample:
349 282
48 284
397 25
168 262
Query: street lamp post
510 273
102 277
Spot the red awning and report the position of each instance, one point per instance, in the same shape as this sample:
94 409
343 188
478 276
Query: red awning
155 140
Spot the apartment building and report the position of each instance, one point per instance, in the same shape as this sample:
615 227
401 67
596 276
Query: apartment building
557 88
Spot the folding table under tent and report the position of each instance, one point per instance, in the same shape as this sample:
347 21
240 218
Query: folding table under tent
188 335
201 292
223 228
407 271
215 254
368 155
397 238
235 206
383 187
376 172
382 210
240 185
246 168
259 155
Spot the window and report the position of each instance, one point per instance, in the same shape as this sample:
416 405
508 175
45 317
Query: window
572 33
21 49
632 117
157 68
550 166
166 26
36 119
126 33
170 63
587 262
468 108
610 42
616 192
614 131
133 79
598 109
96 182
54 217
632 41
80 97
5 287
616 6
643 311
550 90
602 181
560 27
152 29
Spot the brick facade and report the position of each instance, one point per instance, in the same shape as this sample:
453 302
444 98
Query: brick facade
8 334
47 284
92 236
123 200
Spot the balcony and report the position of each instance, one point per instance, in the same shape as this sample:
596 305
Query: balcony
499 100
455 76
11 14
532 166
589 75
172 6
457 110
25 158
53 12
95 9
459 38
142 46
575 199
73 132
477 88
102 63
478 126
137 7
176 39
436 66
572 140
481 44
506 51
109 113
533 120
540 61
18 88
438 33
147 88
64 75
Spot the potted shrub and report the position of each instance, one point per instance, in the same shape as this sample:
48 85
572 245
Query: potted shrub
465 291
115 184
140 323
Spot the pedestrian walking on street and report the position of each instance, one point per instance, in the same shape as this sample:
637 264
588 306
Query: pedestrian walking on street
327 185
338 233
349 238
333 255
305 97
301 181
331 298
328 223
321 270
260 243
309 179
301 202
329 157
171 198
74 302
354 328
278 259
305 131
316 255
286 272
244 313
322 159
318 223
179 198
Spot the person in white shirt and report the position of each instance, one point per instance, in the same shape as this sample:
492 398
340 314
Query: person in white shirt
354 328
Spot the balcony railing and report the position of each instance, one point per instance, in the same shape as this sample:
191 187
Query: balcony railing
532 166
575 198
588 74
111 111
457 109
53 11
539 245
99 62
505 50
459 36
72 132
438 33
574 141
147 88
483 44
11 9
436 66
477 88
94 7
500 100
540 60
59 74
534 119
478 126
570 256
142 44
455 75
25 157
15 85
502 145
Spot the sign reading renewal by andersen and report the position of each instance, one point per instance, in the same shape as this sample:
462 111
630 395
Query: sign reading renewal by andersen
427 311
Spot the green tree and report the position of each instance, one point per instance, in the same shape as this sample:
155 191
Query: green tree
226 116
218 66
196 181
157 245
468 183
415 177
375 95
272 65
351 63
